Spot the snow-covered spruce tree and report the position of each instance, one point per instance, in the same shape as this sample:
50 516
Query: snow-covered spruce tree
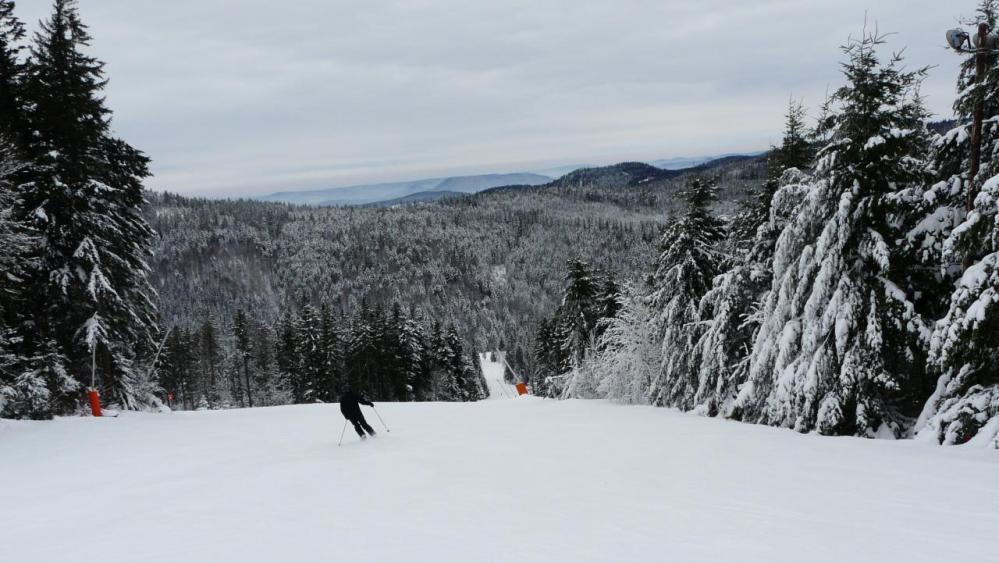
232 377
90 286
568 337
587 371
270 384
398 362
311 380
965 348
286 356
448 366
551 361
470 384
12 74
965 343
333 350
583 381
443 386
364 355
841 347
423 384
689 260
795 151
25 390
412 347
584 305
578 310
24 386
176 368
629 352
244 351
727 311
208 379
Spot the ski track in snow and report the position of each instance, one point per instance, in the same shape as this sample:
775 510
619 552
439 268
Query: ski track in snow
494 371
524 480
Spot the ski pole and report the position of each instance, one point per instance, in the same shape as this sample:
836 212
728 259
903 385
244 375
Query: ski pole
341 433
380 418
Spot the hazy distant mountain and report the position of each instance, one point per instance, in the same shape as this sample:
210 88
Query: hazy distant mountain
420 197
395 193
625 174
372 193
682 162
557 172
675 163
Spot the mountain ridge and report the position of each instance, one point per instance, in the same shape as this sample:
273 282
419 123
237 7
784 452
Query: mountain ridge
364 194
394 193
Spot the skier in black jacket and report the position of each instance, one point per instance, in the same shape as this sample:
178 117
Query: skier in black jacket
350 407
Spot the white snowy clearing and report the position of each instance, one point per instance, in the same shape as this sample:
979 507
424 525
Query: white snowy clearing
520 480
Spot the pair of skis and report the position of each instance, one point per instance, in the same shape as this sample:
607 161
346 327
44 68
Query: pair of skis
345 426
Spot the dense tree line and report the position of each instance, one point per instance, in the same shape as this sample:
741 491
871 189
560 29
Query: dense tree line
75 296
313 355
856 294
489 265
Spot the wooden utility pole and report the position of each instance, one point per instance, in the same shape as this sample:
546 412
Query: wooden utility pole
981 62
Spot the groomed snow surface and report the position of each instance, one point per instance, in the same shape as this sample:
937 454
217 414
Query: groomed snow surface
517 480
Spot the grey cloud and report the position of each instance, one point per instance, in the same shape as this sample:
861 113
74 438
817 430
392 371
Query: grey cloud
252 96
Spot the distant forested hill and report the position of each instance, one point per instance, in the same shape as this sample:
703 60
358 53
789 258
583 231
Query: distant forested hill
492 264
374 193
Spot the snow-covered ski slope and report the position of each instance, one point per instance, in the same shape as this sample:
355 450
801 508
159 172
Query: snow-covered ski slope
493 370
496 481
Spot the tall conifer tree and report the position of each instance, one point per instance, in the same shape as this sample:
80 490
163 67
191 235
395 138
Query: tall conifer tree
964 352
93 295
12 75
689 260
244 352
727 312
841 348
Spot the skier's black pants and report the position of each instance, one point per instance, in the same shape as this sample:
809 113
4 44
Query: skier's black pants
360 425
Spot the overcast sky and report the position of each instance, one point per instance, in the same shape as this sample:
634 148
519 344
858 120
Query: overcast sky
251 96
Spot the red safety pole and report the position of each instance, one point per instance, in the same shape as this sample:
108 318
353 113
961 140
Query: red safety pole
92 394
95 402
